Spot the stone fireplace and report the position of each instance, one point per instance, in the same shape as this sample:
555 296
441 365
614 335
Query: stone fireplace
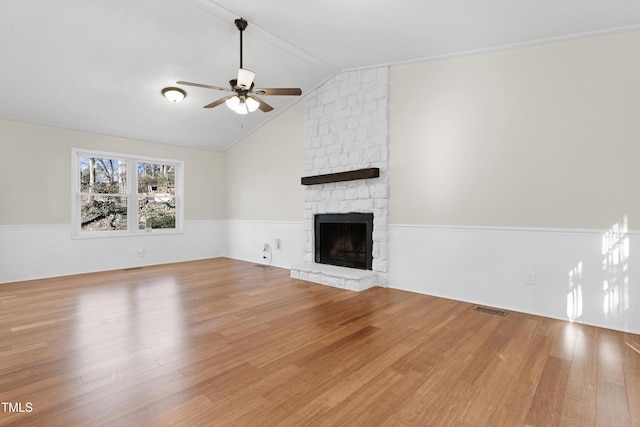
346 129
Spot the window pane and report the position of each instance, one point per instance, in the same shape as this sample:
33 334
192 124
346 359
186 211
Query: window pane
103 213
156 178
156 196
157 212
102 175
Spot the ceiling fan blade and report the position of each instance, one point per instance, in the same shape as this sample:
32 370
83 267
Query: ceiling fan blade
201 85
218 102
245 78
288 91
263 106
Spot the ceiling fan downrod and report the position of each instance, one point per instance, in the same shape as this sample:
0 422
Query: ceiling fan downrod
241 24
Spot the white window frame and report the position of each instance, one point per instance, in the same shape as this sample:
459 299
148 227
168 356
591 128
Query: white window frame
131 194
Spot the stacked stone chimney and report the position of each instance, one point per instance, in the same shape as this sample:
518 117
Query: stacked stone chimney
347 128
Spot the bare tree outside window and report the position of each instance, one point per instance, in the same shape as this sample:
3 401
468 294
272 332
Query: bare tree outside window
122 194
103 199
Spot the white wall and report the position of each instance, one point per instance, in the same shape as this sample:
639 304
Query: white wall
246 240
35 206
586 276
39 251
518 162
264 194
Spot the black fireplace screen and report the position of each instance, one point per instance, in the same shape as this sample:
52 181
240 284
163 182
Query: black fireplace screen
344 240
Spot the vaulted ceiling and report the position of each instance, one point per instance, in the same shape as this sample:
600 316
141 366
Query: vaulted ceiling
100 65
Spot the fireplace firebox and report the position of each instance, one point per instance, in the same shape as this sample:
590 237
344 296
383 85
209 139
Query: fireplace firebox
344 240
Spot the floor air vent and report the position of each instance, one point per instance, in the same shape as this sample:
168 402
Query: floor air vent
492 311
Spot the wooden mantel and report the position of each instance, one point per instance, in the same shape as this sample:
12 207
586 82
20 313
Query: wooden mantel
341 176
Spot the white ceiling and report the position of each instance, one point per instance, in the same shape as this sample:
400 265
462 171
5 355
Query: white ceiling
100 65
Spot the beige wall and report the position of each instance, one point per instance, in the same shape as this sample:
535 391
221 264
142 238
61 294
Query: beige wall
546 136
538 137
264 171
35 165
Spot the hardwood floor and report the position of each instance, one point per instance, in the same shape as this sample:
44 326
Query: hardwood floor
222 342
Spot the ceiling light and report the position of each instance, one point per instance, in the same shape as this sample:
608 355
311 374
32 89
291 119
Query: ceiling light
242 105
252 104
242 108
233 102
174 94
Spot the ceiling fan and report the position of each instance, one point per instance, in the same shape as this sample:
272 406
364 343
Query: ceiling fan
244 99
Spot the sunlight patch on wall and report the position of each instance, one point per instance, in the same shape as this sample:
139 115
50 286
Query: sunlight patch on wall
574 297
615 268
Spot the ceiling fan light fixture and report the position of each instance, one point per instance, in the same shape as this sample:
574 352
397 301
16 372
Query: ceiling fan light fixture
252 104
242 105
242 108
174 94
233 102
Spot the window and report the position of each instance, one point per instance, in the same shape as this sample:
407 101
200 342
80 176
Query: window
119 194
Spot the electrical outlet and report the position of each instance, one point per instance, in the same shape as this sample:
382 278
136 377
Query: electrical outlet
277 243
530 278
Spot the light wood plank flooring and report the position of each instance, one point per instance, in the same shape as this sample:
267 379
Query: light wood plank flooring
222 342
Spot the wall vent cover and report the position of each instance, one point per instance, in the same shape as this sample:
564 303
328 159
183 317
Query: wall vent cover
491 310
